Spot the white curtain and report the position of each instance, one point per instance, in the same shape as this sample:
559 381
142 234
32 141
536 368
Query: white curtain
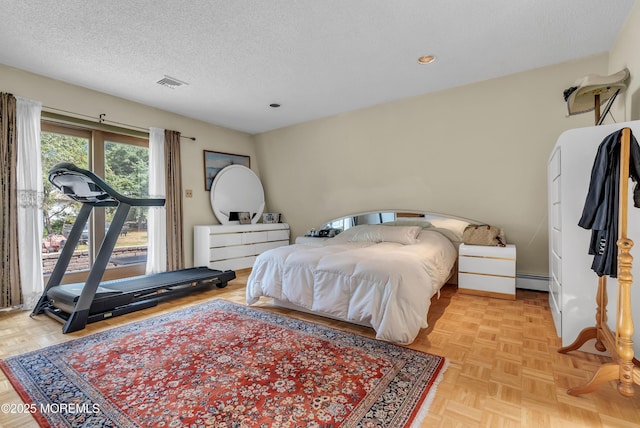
30 188
157 221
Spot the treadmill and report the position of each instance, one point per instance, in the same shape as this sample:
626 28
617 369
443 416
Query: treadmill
77 304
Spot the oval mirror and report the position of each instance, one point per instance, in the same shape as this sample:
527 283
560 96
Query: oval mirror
236 189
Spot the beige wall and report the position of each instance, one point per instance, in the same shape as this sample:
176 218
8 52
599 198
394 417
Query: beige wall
197 210
479 151
624 53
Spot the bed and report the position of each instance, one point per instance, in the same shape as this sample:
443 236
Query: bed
382 275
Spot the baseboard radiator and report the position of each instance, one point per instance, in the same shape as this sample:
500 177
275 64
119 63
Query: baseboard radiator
532 282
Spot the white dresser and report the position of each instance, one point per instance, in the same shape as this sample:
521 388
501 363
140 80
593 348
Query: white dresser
573 285
235 246
487 270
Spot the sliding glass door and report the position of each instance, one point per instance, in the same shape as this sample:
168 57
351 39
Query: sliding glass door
62 145
127 170
123 162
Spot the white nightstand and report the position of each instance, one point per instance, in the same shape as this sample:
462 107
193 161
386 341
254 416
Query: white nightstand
487 271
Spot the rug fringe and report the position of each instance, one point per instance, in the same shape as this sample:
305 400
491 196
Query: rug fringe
426 404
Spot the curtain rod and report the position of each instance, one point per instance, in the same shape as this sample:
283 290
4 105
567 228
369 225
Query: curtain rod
102 119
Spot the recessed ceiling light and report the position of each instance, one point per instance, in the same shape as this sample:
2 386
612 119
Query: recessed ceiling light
274 105
427 59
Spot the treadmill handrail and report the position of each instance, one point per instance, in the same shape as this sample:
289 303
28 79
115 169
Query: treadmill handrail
102 194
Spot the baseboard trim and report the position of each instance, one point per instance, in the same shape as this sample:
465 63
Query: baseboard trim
532 282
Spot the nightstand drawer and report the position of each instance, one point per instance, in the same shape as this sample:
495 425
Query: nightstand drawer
496 284
488 266
487 285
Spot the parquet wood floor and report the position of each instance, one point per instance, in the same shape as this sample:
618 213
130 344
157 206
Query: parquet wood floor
504 369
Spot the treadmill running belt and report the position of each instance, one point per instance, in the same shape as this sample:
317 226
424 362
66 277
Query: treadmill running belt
111 294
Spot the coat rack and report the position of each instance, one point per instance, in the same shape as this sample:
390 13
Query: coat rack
623 368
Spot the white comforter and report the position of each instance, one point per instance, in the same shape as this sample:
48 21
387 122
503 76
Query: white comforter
387 284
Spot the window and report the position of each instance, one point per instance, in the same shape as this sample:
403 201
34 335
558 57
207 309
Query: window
123 162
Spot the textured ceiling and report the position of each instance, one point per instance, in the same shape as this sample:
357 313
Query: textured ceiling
315 58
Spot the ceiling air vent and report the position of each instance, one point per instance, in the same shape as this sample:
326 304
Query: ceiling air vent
171 82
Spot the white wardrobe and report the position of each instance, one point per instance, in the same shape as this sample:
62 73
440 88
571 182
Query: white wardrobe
573 285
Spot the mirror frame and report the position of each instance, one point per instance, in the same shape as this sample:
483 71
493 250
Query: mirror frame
382 216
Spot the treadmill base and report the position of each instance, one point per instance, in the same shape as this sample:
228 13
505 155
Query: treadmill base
61 303
77 320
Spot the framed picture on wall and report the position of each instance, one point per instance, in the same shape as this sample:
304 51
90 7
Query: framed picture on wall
215 161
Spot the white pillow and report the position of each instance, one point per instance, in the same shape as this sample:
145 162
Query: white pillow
452 228
378 233
422 223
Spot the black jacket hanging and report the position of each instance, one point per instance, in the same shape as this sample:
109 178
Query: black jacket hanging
600 213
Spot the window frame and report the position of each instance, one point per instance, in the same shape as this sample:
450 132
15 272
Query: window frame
97 220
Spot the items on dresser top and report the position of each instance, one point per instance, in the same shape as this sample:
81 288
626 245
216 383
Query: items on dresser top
270 218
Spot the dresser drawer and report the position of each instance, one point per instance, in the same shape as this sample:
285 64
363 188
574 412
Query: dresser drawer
253 237
555 303
278 235
556 267
238 251
225 239
554 165
233 264
556 220
232 252
555 190
555 289
556 241
264 246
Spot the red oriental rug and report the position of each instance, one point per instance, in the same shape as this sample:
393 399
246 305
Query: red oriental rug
222 364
